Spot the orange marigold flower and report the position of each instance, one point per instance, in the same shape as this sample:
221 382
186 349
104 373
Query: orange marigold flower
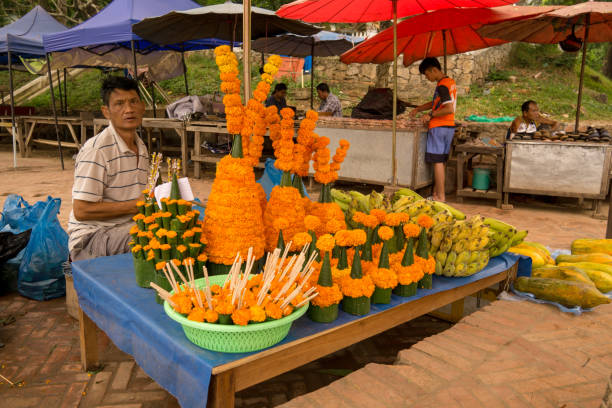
326 243
409 274
241 317
312 115
273 311
328 295
312 222
411 230
334 225
358 237
425 221
385 233
393 219
344 144
301 239
357 287
383 278
281 223
379 214
211 316
197 315
258 314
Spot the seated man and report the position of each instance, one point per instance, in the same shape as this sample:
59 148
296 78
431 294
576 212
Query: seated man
330 104
109 175
530 121
278 97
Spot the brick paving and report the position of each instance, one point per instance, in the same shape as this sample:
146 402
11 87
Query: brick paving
508 354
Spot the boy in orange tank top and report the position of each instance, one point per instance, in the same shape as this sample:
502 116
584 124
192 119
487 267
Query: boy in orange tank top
441 122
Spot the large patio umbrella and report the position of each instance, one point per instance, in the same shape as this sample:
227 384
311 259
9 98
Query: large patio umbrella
363 11
590 21
300 46
439 33
219 21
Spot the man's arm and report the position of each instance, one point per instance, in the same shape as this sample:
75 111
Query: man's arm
421 108
91 211
544 120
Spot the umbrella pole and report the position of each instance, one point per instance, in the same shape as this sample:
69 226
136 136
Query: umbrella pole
59 90
394 124
246 47
10 69
65 94
444 42
584 50
312 75
185 71
59 142
135 63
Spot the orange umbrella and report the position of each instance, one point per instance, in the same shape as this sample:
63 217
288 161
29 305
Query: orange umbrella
439 33
583 22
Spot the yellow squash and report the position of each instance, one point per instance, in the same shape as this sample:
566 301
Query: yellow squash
537 260
566 273
566 293
601 279
595 257
589 246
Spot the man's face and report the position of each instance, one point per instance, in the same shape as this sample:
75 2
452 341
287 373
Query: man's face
281 94
322 94
430 74
533 112
125 109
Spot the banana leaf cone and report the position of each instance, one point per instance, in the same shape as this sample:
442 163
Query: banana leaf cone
358 306
166 218
166 252
194 219
342 258
325 196
149 209
299 185
194 250
143 239
188 238
286 179
400 238
155 206
182 207
154 228
197 234
375 238
161 281
427 281
177 226
217 269
329 313
140 206
336 252
313 245
407 260
157 252
172 207
172 238
164 204
280 244
175 193
383 295
225 319
141 224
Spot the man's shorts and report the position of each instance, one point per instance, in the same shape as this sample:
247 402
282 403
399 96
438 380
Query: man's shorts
439 141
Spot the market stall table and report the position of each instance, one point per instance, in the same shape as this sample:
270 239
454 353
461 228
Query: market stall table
7 124
30 123
128 314
149 124
561 169
465 154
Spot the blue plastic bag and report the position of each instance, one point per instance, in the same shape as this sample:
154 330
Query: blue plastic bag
271 178
18 215
41 275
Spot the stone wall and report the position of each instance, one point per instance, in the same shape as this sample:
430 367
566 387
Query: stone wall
354 80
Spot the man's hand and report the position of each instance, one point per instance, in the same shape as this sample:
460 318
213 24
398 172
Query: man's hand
425 119
413 112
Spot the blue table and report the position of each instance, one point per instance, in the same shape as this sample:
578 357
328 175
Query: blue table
110 300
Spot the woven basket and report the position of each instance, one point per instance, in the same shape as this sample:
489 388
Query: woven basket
231 338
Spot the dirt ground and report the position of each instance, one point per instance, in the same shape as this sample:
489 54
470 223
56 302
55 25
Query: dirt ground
553 222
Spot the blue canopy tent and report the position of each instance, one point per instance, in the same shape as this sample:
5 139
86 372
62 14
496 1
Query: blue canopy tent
23 39
110 31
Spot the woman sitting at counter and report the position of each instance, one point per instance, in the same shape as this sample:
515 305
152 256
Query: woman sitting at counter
531 121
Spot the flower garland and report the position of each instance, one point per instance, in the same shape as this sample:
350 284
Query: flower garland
284 151
306 139
284 202
230 86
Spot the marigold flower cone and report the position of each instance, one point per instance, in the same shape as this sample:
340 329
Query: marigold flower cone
284 202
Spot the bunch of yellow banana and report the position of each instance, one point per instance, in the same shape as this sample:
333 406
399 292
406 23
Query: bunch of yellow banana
460 246
502 236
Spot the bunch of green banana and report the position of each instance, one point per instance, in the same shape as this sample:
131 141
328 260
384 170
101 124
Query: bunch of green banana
379 201
460 247
406 192
502 236
341 198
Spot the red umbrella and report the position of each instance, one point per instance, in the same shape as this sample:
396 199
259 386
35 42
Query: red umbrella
439 33
357 11
363 11
584 22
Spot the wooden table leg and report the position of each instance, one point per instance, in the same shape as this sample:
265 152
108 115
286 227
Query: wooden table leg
184 147
500 178
460 162
197 150
221 390
89 342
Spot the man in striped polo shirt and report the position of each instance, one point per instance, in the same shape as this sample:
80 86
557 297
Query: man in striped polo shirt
109 175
